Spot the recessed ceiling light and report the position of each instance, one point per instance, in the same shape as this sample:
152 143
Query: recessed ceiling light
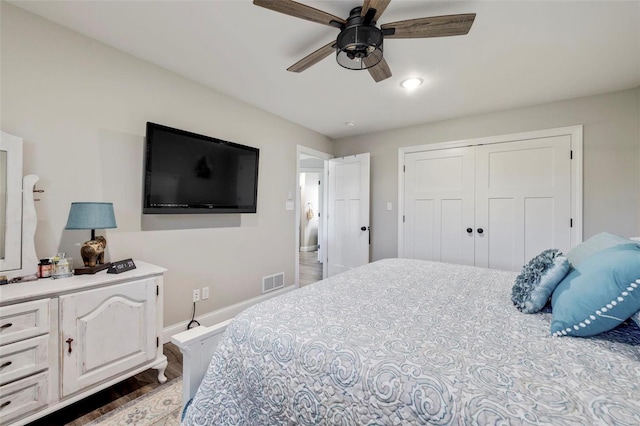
411 83
350 123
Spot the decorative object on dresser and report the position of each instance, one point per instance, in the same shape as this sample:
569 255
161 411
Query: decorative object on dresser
18 220
75 336
121 266
92 216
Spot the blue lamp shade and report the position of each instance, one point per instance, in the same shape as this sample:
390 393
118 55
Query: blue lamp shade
91 216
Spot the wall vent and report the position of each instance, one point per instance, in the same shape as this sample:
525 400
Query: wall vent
272 282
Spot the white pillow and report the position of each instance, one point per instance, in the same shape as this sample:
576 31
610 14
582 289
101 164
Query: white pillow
593 245
636 317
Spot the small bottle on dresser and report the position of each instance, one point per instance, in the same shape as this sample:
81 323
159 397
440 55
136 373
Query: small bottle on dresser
62 266
45 268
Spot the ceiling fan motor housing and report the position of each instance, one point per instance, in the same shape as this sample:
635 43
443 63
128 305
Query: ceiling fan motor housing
359 44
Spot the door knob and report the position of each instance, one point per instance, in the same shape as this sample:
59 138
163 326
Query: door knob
480 230
469 230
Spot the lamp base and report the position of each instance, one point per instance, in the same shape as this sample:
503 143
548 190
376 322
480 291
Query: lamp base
91 270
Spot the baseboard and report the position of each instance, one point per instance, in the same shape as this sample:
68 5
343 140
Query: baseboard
309 248
220 315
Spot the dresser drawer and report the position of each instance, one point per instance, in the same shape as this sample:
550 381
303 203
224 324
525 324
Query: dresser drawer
23 358
22 397
24 320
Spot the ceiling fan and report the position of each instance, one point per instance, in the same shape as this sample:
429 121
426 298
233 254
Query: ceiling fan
359 43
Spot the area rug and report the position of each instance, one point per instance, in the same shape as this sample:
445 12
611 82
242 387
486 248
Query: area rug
160 407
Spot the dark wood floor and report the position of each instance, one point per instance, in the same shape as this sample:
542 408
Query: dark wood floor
100 403
310 268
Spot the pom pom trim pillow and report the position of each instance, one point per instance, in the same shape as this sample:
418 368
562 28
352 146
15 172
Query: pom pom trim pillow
599 294
538 279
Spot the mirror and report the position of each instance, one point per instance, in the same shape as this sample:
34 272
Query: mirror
3 202
18 259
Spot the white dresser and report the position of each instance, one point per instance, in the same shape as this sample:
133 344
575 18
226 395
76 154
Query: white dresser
62 340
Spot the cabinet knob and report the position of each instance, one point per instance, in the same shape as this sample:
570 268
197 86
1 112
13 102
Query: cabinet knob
469 230
480 230
5 364
69 340
4 404
7 325
363 228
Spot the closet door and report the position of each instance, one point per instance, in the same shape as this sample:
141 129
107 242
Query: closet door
523 200
439 205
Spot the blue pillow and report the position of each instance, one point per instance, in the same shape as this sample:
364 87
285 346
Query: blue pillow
599 294
588 248
538 279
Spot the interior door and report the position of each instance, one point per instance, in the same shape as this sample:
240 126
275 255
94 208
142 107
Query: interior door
348 213
439 205
523 203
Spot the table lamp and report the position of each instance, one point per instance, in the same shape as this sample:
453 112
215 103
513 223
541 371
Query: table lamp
91 215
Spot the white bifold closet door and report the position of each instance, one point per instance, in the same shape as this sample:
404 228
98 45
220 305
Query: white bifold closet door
439 205
494 205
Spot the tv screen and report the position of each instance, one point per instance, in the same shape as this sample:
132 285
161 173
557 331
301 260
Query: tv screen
190 173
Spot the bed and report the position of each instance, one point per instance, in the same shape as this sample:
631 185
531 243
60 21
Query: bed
400 342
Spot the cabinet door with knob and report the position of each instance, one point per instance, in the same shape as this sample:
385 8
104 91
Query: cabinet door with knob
105 331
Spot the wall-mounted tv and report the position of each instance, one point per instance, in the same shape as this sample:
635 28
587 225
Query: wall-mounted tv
190 173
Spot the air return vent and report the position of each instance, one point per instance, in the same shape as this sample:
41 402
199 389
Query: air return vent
272 282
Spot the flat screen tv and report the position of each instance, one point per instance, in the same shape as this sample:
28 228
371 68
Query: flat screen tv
190 173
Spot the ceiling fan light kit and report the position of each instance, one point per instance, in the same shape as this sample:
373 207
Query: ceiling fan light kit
359 44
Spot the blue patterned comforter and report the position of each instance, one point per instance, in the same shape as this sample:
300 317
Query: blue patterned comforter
407 342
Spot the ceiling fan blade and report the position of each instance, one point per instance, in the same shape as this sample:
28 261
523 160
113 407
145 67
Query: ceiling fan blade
379 72
313 58
434 26
299 10
378 5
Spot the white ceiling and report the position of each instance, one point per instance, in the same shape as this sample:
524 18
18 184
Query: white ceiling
517 53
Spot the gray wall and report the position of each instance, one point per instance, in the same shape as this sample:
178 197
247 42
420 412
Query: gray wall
611 158
81 108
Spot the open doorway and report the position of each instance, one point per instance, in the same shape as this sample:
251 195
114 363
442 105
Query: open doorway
310 256
310 220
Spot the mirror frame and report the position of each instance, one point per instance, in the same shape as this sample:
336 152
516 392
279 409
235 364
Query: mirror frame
20 252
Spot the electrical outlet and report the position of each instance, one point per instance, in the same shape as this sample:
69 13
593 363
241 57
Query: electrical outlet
196 295
205 293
